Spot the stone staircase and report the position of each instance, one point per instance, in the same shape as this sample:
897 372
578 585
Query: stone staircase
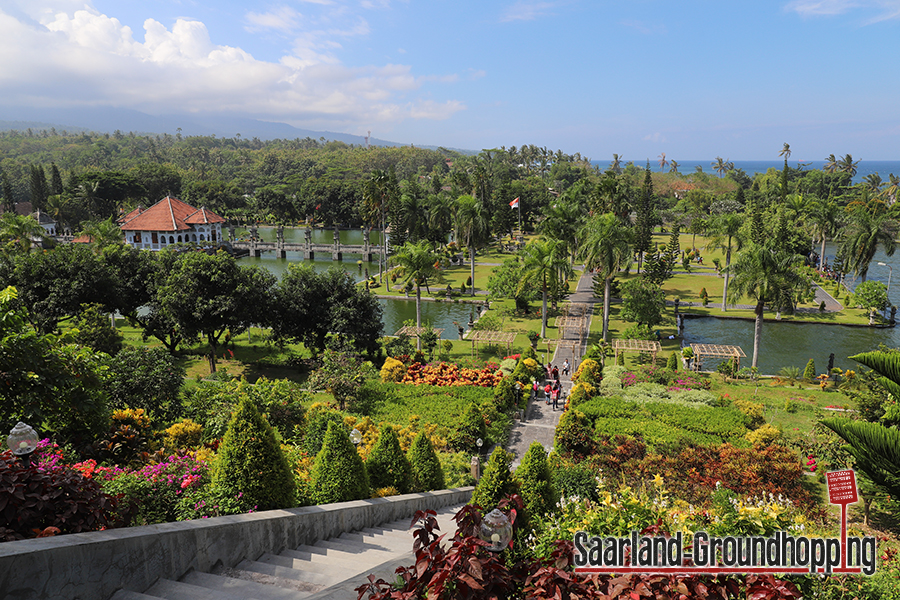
327 570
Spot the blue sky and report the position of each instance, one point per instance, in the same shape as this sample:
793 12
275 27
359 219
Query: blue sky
692 79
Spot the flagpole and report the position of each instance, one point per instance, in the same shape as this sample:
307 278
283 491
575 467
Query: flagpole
519 206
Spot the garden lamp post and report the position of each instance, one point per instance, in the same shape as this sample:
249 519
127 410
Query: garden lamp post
888 292
355 437
496 529
22 440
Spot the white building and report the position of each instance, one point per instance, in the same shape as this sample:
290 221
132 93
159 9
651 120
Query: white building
170 221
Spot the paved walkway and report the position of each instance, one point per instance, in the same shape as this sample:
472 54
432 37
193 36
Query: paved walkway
541 420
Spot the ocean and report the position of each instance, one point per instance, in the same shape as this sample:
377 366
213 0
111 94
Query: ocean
751 167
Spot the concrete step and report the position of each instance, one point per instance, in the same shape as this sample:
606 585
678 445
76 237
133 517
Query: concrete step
177 590
319 577
254 585
129 595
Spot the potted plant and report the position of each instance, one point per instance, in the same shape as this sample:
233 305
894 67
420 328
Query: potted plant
533 337
687 355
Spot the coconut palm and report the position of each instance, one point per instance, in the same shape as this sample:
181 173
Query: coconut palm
725 235
861 238
873 182
768 277
545 264
101 234
893 188
472 228
18 232
562 220
848 165
785 151
606 248
616 165
662 162
416 262
440 216
831 164
824 219
673 167
720 166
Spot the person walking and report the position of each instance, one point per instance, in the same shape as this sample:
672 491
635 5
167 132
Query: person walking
566 367
555 394
547 390
555 373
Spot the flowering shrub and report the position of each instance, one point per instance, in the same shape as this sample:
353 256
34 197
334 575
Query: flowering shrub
392 370
674 381
449 374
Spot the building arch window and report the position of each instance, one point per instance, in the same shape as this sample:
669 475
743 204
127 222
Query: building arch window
171 239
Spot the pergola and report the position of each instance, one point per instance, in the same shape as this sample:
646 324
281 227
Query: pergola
413 331
491 337
651 347
716 351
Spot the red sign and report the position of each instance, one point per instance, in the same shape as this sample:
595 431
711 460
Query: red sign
841 487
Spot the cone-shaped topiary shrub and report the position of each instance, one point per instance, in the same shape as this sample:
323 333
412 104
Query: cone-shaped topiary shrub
471 428
338 475
536 482
672 363
809 373
496 482
314 437
426 467
251 466
387 466
589 371
505 394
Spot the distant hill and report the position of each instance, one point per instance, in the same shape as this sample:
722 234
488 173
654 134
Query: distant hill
108 120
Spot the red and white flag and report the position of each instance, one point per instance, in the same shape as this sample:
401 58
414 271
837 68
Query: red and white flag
514 203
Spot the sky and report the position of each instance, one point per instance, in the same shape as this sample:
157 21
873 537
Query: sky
693 79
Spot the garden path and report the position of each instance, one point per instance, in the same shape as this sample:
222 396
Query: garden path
541 420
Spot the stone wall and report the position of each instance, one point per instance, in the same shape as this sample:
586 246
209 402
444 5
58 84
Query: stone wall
92 566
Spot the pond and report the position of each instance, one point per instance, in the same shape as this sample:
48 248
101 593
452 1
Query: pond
793 344
440 314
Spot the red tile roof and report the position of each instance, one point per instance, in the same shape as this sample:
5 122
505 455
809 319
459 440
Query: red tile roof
169 214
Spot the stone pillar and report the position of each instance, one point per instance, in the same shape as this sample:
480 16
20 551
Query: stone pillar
476 468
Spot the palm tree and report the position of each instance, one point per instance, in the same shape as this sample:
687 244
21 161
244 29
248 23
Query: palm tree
662 161
562 219
472 228
726 236
18 232
848 165
862 236
785 151
673 167
416 262
546 264
824 219
102 234
379 193
767 277
873 182
616 165
440 216
720 166
892 189
606 247
831 164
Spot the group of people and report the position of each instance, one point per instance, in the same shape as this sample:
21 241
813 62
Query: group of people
552 389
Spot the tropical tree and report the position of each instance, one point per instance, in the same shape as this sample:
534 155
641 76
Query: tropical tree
606 248
824 219
416 262
662 161
720 166
472 228
380 193
862 236
616 165
785 151
848 165
562 220
673 167
831 164
892 189
102 233
873 182
766 276
726 236
546 264
18 232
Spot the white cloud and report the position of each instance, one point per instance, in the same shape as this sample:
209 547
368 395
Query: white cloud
884 9
527 10
656 137
82 57
283 18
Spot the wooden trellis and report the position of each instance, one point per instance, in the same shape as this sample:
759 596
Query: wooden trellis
413 331
702 351
491 337
651 347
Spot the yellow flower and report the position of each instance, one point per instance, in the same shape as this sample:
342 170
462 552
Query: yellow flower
658 480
